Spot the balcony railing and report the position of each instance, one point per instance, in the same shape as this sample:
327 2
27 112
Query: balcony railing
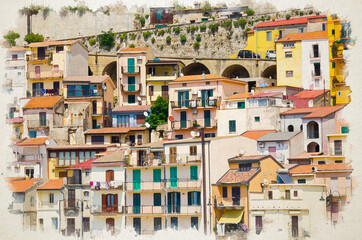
144 185
313 134
182 158
184 209
45 74
183 124
144 209
50 92
206 123
28 157
130 69
161 77
35 57
198 103
131 87
230 202
104 210
15 63
147 161
48 205
107 185
38 123
183 183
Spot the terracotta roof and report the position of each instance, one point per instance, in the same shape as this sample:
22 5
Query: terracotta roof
304 36
33 141
87 79
278 136
111 130
15 49
114 157
241 95
256 134
15 120
87 146
199 78
140 49
131 108
305 155
83 165
43 102
291 21
310 94
236 176
21 184
104 153
251 31
321 168
265 94
51 43
52 184
248 158
313 112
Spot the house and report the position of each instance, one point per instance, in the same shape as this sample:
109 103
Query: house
130 116
24 203
15 71
256 133
107 186
281 145
159 74
339 183
311 98
41 114
121 136
97 91
50 61
303 60
131 75
195 101
31 158
61 157
16 124
315 122
49 199
231 193
265 34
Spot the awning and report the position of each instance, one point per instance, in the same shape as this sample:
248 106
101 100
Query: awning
231 216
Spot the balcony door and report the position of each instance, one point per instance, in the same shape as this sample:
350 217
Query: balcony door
131 66
136 203
136 179
131 84
164 90
37 89
205 95
183 116
207 118
174 202
71 198
173 154
183 98
41 53
173 177
235 192
137 225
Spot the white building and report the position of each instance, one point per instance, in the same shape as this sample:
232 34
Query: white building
15 71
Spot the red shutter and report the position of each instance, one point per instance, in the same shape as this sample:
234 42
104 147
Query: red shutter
115 202
104 202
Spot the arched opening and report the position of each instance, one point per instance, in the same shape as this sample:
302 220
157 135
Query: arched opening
270 72
290 128
111 70
313 147
312 130
236 71
110 224
90 73
195 69
301 127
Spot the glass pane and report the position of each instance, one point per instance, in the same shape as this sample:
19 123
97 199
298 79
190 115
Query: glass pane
87 155
81 156
61 158
93 154
67 158
72 158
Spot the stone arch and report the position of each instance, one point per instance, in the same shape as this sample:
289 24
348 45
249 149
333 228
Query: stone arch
313 147
290 128
236 70
270 71
312 130
195 69
111 70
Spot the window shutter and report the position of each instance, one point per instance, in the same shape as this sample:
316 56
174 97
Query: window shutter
115 203
211 93
156 175
203 98
198 198
179 99
187 99
193 173
104 202
189 196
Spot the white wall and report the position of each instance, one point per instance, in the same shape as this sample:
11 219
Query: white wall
224 116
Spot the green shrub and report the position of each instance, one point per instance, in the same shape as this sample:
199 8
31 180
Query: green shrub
176 30
11 36
198 38
188 29
147 16
196 45
193 29
245 33
132 36
227 24
34 38
92 41
268 18
296 12
106 39
242 23
203 28
214 27
168 40
132 46
287 16
249 12
310 12
250 22
183 38
146 35
153 40
142 21
169 30
118 47
161 32
301 13
161 47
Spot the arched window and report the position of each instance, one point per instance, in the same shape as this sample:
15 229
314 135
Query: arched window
313 147
301 127
290 128
312 130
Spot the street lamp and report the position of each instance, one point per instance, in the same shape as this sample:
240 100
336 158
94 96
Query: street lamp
330 201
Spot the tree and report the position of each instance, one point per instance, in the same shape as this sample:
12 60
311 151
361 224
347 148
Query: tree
34 38
159 113
11 36
207 7
287 16
249 12
29 12
106 39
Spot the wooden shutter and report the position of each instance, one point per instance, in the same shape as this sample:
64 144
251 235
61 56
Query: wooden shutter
193 173
187 99
198 198
179 99
109 175
258 224
104 202
189 197
115 203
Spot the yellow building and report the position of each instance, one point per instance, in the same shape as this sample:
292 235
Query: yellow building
339 38
159 74
231 193
49 62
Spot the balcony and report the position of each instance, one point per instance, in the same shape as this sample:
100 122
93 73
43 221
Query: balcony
44 75
86 93
28 157
183 183
313 134
104 210
49 92
38 123
183 125
47 205
183 158
161 77
145 209
112 185
144 186
131 69
206 123
184 209
235 202
15 63
37 57
198 103
292 204
131 87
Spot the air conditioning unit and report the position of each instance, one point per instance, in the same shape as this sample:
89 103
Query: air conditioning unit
199 94
194 111
194 92
193 104
139 58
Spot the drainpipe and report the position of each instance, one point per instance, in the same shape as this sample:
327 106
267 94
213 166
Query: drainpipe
210 192
321 136
60 222
204 182
247 203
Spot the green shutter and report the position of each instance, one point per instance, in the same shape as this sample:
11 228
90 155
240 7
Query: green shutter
131 84
136 203
156 175
173 177
241 105
187 99
157 199
136 179
183 119
189 196
193 173
203 98
211 93
345 129
207 116
131 66
179 99
198 198
232 126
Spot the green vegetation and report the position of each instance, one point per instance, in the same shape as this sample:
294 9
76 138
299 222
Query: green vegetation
142 21
28 12
296 12
207 7
122 37
196 45
153 40
34 38
287 16
168 40
193 29
161 32
146 35
161 47
169 30
176 30
198 38
132 46
147 16
92 41
104 9
249 12
11 36
118 47
213 27
182 39
245 33
310 12
301 13
203 28
106 39
132 36
159 112
46 11
227 24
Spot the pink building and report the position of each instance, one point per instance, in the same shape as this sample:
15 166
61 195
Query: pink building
195 100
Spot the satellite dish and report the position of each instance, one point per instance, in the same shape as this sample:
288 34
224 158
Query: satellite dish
197 134
147 125
145 113
266 182
47 142
241 152
104 87
171 119
139 98
193 134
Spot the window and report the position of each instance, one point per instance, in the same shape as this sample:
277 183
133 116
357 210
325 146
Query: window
41 224
333 31
157 223
139 139
315 50
193 150
290 128
270 195
180 136
232 125
87 155
300 30
140 119
51 197
72 158
53 154
97 139
295 193
114 139
321 162
32 134
257 119
56 68
86 226
183 98
157 199
61 158
287 194
301 181
131 99
268 36
86 195
288 54
224 192
209 135
333 64
258 224
288 45
348 181
157 175
152 71
317 69
262 102
174 223
339 93
80 157
195 222
194 198
289 73
62 174
59 49
337 147
19 73
207 83
244 167
14 57
109 175
241 105
344 129
164 91
193 173
55 223
338 161
66 158
184 84
150 90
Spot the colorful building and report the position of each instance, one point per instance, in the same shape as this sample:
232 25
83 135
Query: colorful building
15 71
130 116
311 98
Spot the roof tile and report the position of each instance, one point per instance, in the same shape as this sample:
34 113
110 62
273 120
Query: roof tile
304 36
21 184
256 134
42 102
313 112
52 184
51 43
33 141
301 169
309 94
236 176
241 95
291 21
139 49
